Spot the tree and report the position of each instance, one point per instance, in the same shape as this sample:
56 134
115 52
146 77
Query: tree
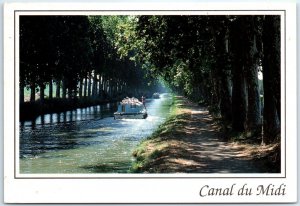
271 72
251 27
223 68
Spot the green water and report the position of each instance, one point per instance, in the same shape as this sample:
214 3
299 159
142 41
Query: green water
86 140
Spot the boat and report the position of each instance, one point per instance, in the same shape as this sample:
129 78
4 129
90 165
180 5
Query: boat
156 96
131 108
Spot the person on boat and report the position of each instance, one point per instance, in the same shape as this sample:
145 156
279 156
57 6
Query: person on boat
143 101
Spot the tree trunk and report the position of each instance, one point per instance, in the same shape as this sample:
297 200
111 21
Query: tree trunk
214 97
72 91
21 93
100 86
50 89
271 75
57 89
225 97
277 63
105 85
118 88
251 70
113 88
104 88
42 92
239 103
97 88
254 110
64 89
94 86
85 86
122 88
32 92
80 88
110 88
89 85
222 63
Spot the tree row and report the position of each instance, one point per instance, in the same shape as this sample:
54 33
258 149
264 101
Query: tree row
77 54
216 60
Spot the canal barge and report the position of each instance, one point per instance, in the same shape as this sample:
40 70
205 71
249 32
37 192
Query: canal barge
131 108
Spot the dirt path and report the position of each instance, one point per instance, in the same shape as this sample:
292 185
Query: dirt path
205 152
193 145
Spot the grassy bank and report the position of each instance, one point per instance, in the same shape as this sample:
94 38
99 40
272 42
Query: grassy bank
153 147
31 110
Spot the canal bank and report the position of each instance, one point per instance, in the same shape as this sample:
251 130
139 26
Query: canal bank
190 141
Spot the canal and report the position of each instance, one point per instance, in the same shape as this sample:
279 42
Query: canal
86 140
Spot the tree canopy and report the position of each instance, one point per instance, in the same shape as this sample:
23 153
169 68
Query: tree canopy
216 60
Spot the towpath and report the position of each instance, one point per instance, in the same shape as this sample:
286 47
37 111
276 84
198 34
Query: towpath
194 145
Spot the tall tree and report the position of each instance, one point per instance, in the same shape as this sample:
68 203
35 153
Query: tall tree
251 62
223 66
271 73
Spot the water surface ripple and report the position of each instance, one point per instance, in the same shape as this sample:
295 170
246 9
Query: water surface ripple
86 140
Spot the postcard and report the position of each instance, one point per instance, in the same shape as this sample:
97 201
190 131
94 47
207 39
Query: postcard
150 103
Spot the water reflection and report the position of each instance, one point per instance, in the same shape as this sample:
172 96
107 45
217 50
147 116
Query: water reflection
86 140
80 114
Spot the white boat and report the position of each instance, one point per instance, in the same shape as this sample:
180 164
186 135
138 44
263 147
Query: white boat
131 108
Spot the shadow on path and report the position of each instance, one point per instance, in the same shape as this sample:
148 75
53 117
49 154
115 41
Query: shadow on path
195 146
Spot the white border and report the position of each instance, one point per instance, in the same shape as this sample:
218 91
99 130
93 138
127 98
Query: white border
174 188
169 12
